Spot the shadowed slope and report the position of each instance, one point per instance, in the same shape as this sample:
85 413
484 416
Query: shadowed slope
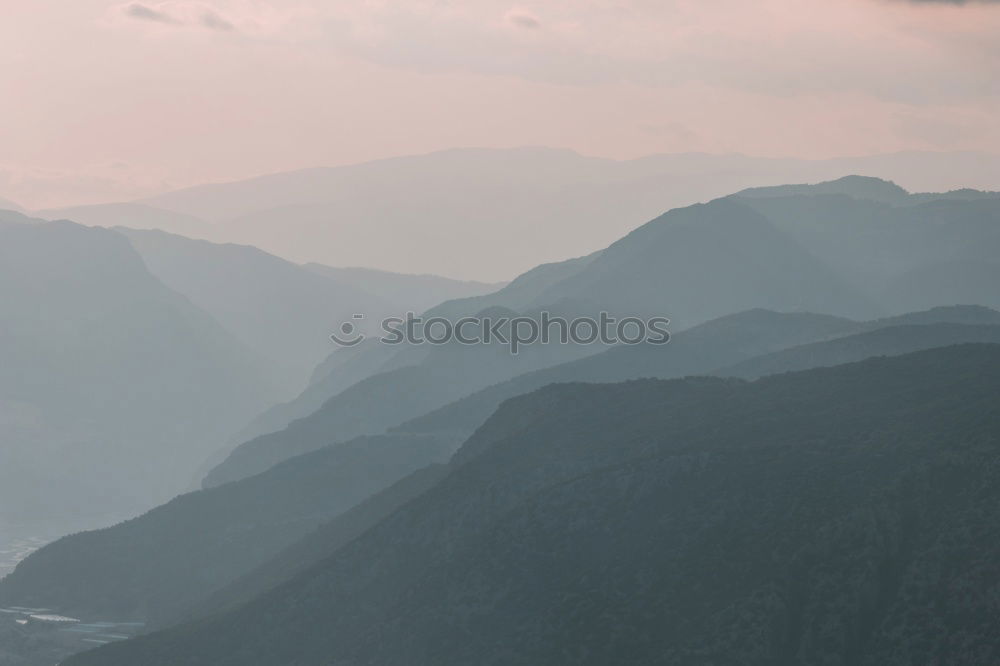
809 517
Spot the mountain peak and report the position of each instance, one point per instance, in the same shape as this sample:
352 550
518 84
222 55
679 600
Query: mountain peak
866 185
855 186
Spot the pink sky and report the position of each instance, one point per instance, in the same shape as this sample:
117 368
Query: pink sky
110 100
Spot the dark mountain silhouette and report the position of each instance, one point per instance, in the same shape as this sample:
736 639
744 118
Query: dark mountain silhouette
713 348
804 340
889 341
840 515
856 247
45 577
113 387
316 546
376 403
200 531
735 256
153 566
901 335
698 350
417 390
465 415
388 398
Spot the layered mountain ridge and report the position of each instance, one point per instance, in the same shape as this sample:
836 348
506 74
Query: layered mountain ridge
805 517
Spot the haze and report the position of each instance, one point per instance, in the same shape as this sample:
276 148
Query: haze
430 332
109 101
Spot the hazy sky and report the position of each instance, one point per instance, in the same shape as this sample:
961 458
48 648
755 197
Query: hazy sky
109 100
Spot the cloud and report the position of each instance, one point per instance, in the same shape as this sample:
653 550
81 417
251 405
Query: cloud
180 14
908 51
884 49
213 21
144 13
953 2
523 20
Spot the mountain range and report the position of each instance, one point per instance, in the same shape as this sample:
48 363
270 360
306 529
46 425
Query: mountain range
839 515
803 474
130 357
142 569
487 202
691 265
113 385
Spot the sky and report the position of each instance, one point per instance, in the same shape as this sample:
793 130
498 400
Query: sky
106 101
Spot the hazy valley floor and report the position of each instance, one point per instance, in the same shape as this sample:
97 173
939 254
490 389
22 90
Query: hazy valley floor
40 636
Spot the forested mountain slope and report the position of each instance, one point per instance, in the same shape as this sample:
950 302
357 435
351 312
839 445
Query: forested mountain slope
803 518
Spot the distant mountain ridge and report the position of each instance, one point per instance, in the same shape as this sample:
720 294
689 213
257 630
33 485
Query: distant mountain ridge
200 531
132 216
923 253
814 248
768 342
735 256
386 398
865 188
402 214
417 293
281 311
132 355
159 564
114 387
807 517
